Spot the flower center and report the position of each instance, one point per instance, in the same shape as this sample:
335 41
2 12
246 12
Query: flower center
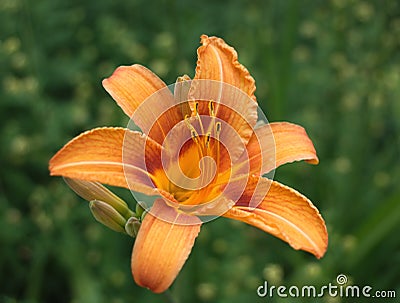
195 176
201 161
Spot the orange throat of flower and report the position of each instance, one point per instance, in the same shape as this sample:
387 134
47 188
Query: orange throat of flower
196 177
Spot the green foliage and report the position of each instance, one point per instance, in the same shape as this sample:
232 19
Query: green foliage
331 66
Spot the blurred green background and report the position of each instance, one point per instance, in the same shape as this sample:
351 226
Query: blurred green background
331 66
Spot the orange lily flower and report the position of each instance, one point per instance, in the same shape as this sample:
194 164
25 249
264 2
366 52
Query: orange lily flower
202 152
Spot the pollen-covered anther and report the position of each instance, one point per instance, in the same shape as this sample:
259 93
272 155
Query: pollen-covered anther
211 109
208 137
217 128
193 132
194 135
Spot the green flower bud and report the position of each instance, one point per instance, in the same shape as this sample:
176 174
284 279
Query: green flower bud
143 215
91 191
139 210
107 215
132 226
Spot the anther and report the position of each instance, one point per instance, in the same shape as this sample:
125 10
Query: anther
194 134
196 113
217 132
217 128
208 136
211 108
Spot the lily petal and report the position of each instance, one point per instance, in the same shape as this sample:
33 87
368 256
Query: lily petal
285 213
232 87
97 155
219 61
181 90
162 246
131 86
278 143
233 107
292 144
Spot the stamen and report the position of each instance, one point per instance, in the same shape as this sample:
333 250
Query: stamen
211 112
196 113
208 136
202 141
194 135
217 129
187 121
193 131
196 139
217 132
211 108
